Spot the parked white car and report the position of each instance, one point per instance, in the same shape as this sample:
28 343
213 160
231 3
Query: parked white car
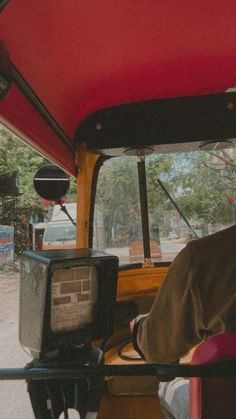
60 232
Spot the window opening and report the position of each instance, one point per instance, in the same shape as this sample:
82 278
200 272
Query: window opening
201 182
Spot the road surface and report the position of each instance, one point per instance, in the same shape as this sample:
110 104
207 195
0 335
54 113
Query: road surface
14 399
13 394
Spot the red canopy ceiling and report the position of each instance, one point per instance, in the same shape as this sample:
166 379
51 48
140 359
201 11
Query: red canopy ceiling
82 56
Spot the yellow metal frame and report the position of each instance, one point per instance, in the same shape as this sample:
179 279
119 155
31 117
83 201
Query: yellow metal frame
132 282
85 162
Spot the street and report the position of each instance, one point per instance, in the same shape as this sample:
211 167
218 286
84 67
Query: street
14 397
169 249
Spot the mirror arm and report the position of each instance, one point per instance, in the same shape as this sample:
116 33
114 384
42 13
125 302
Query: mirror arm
64 209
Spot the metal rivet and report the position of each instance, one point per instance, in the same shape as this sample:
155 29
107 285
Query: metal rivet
230 105
98 126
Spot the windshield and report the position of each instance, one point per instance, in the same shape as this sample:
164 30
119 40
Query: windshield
60 232
197 198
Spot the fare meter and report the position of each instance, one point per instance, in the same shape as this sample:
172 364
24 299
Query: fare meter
74 297
67 299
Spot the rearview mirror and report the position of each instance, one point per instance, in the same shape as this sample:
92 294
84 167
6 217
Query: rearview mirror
51 182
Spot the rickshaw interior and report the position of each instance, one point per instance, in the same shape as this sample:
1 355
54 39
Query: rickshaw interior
141 109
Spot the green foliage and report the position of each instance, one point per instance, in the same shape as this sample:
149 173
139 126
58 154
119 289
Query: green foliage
158 166
197 188
117 192
190 178
16 156
197 181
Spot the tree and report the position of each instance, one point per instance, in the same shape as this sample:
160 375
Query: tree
15 155
117 192
18 156
202 191
158 166
198 181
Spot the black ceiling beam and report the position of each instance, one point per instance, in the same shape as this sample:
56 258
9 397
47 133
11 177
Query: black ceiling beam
161 121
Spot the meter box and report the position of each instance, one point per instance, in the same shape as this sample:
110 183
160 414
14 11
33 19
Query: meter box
67 299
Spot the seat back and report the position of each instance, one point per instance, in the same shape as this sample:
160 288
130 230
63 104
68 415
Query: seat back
214 397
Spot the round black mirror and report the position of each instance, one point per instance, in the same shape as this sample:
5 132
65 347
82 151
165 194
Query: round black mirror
51 182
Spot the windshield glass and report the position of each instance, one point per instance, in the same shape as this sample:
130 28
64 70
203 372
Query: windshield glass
198 198
60 232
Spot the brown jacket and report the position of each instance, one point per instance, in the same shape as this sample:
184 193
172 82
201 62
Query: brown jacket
197 299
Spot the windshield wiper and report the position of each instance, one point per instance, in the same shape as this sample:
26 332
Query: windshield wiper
177 208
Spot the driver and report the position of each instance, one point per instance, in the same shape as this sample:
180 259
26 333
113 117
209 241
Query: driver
196 300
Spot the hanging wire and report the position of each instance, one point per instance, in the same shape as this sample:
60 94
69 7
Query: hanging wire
49 401
66 415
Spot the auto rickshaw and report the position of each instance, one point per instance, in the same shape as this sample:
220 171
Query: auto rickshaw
119 95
